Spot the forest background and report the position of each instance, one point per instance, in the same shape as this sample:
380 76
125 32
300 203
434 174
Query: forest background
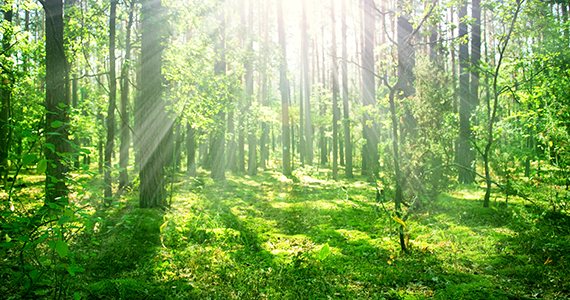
260 149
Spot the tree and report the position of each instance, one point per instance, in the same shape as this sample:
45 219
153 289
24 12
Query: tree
307 91
284 87
251 138
335 90
492 110
57 104
264 83
218 135
153 124
464 153
125 128
345 108
370 151
110 145
6 84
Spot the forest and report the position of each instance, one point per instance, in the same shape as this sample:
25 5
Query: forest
270 149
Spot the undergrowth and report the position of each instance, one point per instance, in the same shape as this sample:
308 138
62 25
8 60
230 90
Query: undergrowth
308 237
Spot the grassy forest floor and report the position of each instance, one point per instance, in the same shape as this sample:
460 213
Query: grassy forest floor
265 237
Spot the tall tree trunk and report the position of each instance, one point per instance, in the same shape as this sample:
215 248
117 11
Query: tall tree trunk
57 104
565 20
154 125
264 81
302 146
475 64
406 63
6 83
125 128
110 145
218 141
251 138
493 112
232 145
345 108
370 151
284 87
323 106
335 88
433 42
307 91
465 108
190 150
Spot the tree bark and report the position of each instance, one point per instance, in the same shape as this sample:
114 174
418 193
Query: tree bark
474 67
284 87
153 123
125 128
218 140
190 150
6 84
346 117
465 106
57 104
251 138
370 149
335 89
110 145
307 90
264 83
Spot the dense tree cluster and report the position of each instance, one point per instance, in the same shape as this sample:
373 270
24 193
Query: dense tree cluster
422 94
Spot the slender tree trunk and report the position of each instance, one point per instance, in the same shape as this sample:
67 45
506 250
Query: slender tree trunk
398 171
433 42
264 83
335 88
493 115
6 83
232 145
57 104
465 107
475 65
251 138
190 150
218 141
565 20
345 108
125 128
110 145
370 151
154 125
323 107
307 91
284 87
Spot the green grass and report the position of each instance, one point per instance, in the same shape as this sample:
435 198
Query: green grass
260 237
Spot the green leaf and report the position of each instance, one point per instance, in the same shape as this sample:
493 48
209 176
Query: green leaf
76 296
62 105
399 220
63 220
50 146
325 251
56 124
72 270
28 159
61 248
163 226
6 245
24 238
42 166
8 239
